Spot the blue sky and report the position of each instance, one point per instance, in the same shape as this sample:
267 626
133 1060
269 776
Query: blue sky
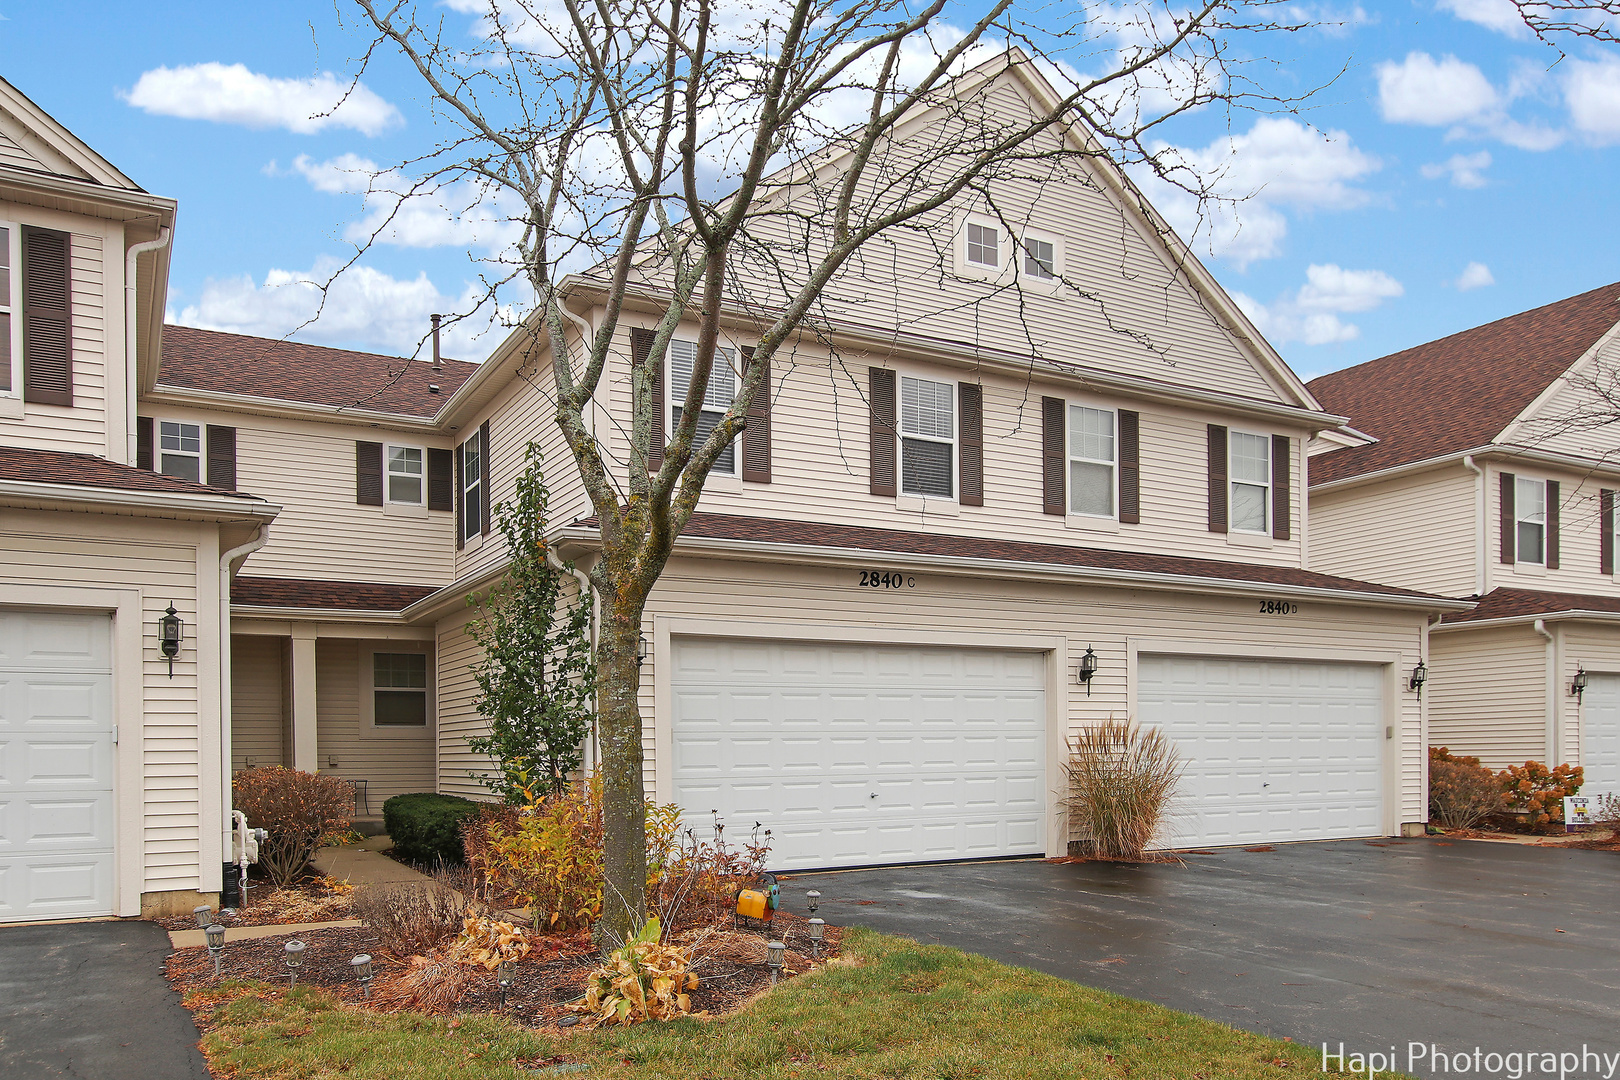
1458 170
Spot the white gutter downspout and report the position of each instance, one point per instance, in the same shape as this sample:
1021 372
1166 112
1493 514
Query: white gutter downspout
131 332
1551 706
589 593
261 538
1481 563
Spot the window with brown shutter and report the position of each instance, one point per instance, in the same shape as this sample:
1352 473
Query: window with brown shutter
1054 487
1606 531
441 479
641 342
368 473
483 465
880 397
1509 520
222 457
756 463
1552 524
143 442
47 318
1217 478
1130 467
1282 461
970 436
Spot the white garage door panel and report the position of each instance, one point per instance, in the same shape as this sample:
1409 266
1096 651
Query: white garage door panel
56 766
1274 750
1600 735
855 755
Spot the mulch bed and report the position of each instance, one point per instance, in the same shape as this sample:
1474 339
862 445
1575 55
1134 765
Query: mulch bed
545 982
304 901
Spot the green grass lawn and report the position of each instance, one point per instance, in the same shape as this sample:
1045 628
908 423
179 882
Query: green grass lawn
902 1011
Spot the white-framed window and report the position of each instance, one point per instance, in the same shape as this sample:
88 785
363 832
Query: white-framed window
10 309
399 689
472 486
927 438
405 475
983 245
1249 472
1040 259
1530 520
1093 461
717 398
179 450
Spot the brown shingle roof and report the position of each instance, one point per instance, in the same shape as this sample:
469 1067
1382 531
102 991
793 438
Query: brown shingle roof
82 470
1511 603
1457 393
313 374
332 595
811 534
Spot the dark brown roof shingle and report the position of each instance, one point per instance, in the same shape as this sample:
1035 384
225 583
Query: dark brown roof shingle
1459 392
1511 603
81 470
311 374
330 595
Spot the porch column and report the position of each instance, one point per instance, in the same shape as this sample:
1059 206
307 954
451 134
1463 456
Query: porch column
304 753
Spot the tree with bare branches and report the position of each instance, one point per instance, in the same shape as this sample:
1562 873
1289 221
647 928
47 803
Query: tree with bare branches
740 160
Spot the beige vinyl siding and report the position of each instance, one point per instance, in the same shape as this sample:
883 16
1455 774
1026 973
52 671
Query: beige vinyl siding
1417 532
392 762
1596 647
457 652
258 715
1488 694
1579 534
1549 425
14 156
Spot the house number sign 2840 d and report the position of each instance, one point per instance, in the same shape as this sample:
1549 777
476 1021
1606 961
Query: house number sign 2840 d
1278 607
886 579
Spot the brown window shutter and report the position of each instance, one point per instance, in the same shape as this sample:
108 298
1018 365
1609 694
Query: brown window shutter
1509 547
368 480
1054 488
483 477
143 442
461 497
1130 467
641 342
1606 531
1217 478
970 443
441 480
222 457
47 318
1552 525
756 452
881 395
1282 472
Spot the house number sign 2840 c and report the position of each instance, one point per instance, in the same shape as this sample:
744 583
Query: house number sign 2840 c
886 579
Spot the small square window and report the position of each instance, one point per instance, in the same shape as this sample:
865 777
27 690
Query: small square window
405 475
399 688
1040 259
180 450
983 246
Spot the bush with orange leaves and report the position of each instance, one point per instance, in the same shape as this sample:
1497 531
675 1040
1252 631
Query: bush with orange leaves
1535 794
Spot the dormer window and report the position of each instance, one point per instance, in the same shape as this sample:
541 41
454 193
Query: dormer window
180 450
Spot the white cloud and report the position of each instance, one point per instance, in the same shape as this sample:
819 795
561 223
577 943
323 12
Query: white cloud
459 214
1311 313
1476 275
1592 92
1465 170
1423 90
231 94
1501 16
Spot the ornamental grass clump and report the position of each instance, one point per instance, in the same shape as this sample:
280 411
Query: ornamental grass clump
299 810
1462 792
1121 780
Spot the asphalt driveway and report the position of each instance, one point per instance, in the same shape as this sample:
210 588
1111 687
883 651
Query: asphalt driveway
1372 944
89 1000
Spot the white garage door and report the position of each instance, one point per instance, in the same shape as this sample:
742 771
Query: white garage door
1275 750
859 755
1600 735
56 765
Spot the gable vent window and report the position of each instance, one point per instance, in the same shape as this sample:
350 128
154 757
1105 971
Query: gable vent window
1040 259
399 686
1249 462
10 303
1530 509
927 438
180 450
1091 461
717 398
405 474
983 246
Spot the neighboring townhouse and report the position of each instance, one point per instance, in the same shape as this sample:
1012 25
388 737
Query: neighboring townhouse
1491 474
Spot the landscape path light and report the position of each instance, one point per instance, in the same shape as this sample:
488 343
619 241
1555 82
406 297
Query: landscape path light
818 932
503 976
773 957
293 952
362 971
813 899
215 936
204 916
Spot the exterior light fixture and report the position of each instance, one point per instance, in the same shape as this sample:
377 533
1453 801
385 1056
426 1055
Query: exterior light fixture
1577 685
641 649
204 916
1088 668
215 936
362 971
170 632
813 899
818 934
1420 675
503 976
293 953
774 953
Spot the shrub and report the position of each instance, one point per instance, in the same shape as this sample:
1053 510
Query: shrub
642 980
1535 794
1121 781
1462 793
1606 810
485 941
408 918
426 828
708 874
299 810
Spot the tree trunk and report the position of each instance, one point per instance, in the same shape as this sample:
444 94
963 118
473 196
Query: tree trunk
624 805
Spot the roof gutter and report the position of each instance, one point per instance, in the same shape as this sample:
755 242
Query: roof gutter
209 506
262 611
453 595
1528 620
1573 462
219 399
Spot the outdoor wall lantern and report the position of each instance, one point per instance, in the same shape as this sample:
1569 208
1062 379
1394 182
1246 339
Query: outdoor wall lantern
293 952
1420 675
818 933
641 649
169 632
1088 668
362 971
215 937
774 952
813 899
1577 685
